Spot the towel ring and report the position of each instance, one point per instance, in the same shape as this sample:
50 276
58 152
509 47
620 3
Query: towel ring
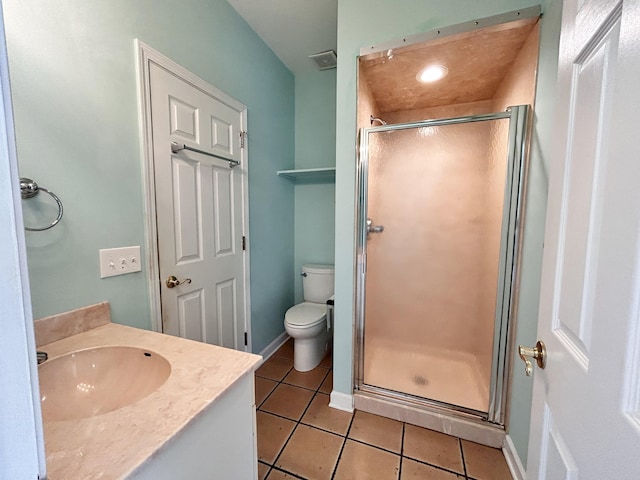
29 189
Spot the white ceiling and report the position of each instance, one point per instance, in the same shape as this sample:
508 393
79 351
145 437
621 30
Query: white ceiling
293 29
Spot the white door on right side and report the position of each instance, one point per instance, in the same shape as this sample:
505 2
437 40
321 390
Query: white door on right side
585 421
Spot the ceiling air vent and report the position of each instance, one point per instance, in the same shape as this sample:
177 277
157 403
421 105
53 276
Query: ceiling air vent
325 60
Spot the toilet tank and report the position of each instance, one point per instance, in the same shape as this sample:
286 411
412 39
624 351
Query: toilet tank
317 283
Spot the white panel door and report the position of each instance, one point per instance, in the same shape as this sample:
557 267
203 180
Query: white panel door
199 208
586 409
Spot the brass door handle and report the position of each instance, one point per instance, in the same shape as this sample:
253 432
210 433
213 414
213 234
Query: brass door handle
539 353
174 282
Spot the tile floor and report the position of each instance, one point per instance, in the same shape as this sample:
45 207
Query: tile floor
300 436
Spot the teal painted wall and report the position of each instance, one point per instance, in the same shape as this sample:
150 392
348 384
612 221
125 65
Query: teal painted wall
74 88
384 23
533 231
315 147
314 227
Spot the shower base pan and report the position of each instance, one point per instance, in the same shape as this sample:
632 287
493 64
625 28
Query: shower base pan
454 378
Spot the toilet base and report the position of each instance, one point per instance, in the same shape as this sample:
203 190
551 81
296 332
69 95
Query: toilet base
309 352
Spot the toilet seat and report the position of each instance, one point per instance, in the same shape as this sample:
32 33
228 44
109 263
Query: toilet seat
306 315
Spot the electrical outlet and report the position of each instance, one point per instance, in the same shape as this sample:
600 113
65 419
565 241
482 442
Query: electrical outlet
118 261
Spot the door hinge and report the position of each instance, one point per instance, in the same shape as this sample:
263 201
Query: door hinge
243 136
246 339
244 242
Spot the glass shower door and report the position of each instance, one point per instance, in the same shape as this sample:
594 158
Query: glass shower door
433 242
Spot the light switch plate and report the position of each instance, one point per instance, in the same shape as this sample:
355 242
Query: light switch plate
118 261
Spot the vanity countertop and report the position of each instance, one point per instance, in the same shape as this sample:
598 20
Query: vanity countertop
113 445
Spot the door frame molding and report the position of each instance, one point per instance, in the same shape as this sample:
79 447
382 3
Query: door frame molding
145 55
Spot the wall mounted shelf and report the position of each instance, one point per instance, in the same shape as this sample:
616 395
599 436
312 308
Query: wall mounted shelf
309 175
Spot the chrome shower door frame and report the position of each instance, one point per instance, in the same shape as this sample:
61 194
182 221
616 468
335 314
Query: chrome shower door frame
507 272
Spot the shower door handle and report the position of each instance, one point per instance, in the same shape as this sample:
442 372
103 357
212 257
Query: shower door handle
371 228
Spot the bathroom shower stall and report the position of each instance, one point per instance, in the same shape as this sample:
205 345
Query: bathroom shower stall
441 175
439 204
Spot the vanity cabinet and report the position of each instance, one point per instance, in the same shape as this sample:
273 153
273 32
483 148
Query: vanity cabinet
199 423
219 443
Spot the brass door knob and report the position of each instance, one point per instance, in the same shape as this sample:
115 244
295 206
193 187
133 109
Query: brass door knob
174 282
539 353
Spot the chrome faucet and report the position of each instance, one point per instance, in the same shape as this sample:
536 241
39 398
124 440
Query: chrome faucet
42 357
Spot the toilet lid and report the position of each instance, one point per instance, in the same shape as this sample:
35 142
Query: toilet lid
306 314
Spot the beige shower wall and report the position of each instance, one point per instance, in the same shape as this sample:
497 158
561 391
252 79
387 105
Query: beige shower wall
516 88
427 279
461 273
366 104
519 85
458 282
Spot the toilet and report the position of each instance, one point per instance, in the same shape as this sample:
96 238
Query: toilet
308 323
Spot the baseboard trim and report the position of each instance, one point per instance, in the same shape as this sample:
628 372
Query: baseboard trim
274 346
513 459
341 401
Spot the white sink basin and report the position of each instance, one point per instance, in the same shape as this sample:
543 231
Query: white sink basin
98 380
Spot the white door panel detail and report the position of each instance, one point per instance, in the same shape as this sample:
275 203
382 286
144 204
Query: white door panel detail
184 120
225 296
557 461
582 203
221 135
200 212
225 230
186 208
584 421
191 315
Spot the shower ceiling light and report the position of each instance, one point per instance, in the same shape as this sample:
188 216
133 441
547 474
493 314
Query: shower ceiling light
432 73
